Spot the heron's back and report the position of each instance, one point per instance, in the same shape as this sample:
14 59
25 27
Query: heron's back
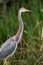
7 48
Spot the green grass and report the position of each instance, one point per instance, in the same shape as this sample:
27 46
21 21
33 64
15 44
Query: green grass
29 50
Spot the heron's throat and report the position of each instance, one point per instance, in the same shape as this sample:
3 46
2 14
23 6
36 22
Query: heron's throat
20 30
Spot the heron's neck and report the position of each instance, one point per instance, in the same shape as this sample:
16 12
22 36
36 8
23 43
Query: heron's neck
20 21
20 30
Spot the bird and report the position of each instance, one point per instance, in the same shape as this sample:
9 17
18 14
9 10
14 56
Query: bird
9 46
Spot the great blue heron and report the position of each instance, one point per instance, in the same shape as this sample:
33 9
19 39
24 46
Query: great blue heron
10 46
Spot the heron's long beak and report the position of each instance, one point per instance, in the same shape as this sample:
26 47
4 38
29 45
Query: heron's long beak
28 10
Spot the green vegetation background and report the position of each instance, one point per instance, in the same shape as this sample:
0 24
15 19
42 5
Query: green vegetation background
30 48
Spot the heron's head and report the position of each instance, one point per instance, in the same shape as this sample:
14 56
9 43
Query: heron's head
24 10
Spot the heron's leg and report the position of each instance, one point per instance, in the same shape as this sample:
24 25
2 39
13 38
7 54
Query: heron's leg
5 62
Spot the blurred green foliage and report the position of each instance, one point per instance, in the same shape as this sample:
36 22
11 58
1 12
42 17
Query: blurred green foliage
28 51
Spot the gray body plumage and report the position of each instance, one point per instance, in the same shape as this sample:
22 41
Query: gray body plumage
7 48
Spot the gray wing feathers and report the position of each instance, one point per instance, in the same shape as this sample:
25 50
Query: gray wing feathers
7 48
7 43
